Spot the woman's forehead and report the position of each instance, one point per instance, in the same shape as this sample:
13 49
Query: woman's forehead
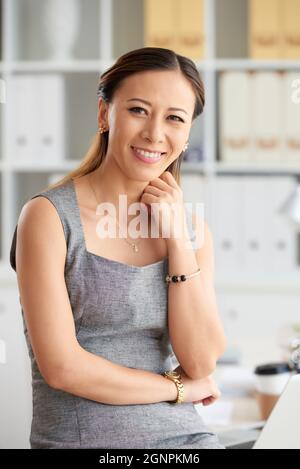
167 88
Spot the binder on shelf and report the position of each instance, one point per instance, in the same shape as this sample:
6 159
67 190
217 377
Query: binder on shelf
51 122
290 29
159 21
196 191
281 236
190 28
267 117
176 25
196 200
226 226
37 118
24 118
291 120
235 117
194 188
254 224
264 29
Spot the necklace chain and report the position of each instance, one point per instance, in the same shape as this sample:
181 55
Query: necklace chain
133 245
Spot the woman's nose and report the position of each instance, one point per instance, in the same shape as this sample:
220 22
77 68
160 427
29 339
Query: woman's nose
153 131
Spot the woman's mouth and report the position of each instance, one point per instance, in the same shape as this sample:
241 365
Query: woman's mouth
147 157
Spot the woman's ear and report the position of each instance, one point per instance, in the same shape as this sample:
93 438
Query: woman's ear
102 112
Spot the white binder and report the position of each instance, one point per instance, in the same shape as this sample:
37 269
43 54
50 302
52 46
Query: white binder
254 224
267 116
291 119
281 236
50 92
196 196
235 118
37 119
227 213
24 117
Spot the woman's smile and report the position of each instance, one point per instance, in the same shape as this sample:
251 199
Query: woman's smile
147 157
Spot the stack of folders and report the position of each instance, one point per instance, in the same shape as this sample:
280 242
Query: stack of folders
250 235
274 29
37 118
259 117
175 24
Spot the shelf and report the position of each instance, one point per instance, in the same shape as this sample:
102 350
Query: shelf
56 66
240 168
257 168
188 167
99 65
250 64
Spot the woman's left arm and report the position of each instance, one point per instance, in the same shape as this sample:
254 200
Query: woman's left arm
196 332
195 329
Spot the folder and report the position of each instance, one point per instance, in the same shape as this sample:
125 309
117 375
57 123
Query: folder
291 119
24 118
253 224
51 122
280 235
264 29
234 117
159 24
267 121
290 24
189 24
226 226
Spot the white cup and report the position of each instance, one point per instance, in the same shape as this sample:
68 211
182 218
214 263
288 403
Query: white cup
271 380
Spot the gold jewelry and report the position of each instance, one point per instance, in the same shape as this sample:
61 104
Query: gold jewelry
101 130
133 245
176 378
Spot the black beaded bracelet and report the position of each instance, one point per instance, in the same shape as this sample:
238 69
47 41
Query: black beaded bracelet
180 278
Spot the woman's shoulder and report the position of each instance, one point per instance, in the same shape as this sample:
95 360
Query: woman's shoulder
39 224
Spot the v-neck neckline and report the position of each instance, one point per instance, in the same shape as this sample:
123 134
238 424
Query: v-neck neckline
97 256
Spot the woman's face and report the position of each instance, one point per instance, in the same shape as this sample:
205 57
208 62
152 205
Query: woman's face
151 126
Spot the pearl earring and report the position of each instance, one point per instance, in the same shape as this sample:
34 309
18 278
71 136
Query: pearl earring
186 146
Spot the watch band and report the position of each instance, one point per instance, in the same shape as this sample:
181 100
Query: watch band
176 378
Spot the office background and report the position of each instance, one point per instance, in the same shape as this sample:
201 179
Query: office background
243 160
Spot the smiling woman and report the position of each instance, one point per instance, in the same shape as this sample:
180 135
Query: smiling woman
97 327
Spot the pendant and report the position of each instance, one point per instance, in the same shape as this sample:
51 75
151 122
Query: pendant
135 248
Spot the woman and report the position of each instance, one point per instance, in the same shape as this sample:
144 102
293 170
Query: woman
100 318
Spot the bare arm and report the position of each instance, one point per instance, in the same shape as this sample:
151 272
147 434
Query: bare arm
63 363
196 332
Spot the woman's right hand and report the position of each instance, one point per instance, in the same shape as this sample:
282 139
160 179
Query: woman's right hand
204 390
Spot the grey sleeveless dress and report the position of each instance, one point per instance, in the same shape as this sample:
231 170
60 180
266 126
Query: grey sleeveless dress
120 313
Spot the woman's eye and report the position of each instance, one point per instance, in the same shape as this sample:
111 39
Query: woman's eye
134 109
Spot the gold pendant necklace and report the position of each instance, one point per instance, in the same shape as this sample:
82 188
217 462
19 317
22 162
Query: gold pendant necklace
134 246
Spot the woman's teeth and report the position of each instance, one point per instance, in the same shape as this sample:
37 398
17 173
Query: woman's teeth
147 154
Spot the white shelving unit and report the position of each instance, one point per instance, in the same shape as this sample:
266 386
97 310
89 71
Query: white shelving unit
18 57
110 28
96 50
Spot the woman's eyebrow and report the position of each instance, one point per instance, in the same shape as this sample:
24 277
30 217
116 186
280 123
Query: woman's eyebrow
149 104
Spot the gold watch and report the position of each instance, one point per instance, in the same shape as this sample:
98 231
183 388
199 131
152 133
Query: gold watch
176 378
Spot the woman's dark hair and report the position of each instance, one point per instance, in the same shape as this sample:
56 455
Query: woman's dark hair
135 61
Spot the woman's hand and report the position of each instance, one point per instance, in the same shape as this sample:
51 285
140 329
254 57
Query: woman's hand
169 213
199 391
